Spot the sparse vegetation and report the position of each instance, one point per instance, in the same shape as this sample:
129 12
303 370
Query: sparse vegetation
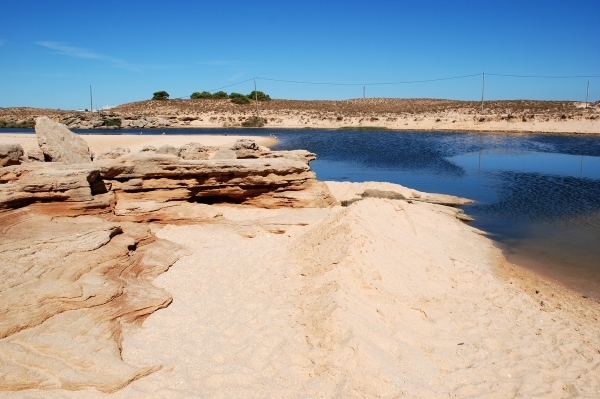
204 95
258 95
19 125
238 98
254 122
220 95
160 95
112 122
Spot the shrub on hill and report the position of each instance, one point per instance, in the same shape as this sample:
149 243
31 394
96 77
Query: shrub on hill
204 95
254 122
220 94
160 95
259 95
22 125
238 98
112 122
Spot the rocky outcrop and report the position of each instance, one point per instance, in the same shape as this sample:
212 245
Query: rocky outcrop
112 153
10 154
45 182
195 151
35 155
168 149
245 148
347 193
119 182
59 144
68 289
261 182
224 154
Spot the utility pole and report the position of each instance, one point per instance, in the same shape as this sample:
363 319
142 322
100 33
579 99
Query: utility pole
91 106
256 98
587 94
364 89
482 89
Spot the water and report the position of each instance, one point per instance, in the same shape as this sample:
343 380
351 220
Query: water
538 196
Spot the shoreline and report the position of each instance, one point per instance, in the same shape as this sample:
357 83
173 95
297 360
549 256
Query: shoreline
101 142
350 128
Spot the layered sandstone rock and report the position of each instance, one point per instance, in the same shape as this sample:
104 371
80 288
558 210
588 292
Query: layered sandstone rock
10 154
68 289
112 153
261 182
44 182
141 181
59 144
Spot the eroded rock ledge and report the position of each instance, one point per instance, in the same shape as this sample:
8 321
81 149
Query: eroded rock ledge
68 289
132 184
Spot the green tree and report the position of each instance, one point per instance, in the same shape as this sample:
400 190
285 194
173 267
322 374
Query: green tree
220 94
259 95
204 95
161 95
238 98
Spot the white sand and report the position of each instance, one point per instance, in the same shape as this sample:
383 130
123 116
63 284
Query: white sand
380 299
101 142
435 121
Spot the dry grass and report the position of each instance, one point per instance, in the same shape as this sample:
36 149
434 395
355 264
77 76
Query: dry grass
338 109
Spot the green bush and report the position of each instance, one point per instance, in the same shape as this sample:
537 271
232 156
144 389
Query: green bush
259 95
236 95
204 95
240 100
220 94
112 122
21 125
160 95
254 122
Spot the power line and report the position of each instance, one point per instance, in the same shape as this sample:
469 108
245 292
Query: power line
545 76
210 91
234 84
406 81
370 84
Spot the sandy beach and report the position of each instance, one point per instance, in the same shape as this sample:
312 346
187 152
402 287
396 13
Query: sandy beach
100 142
382 298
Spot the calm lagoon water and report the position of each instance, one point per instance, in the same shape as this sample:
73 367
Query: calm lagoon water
538 196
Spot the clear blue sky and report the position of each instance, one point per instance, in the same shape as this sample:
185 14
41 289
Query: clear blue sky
51 51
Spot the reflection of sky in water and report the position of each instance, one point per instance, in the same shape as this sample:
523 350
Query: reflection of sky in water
533 162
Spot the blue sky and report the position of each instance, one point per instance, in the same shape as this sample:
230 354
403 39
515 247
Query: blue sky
51 52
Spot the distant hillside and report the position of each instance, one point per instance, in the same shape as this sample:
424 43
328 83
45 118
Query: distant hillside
376 113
